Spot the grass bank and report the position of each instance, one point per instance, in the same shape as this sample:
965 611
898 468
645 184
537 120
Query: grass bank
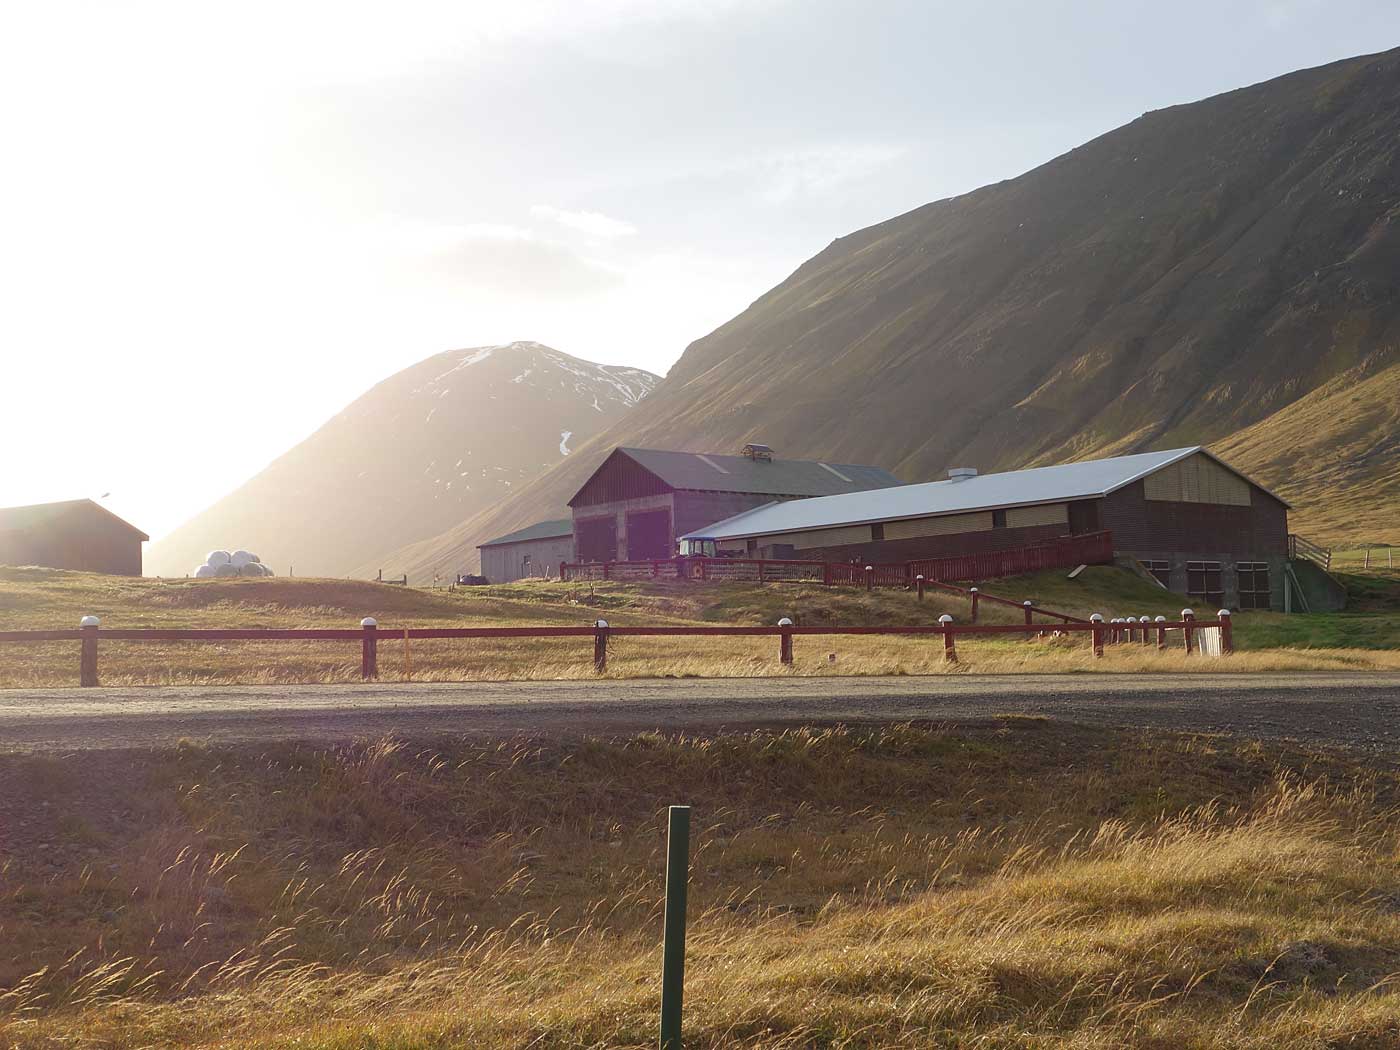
1019 883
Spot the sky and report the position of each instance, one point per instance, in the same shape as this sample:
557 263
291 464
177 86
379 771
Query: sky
220 224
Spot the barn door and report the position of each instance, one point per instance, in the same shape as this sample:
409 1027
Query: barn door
649 535
596 538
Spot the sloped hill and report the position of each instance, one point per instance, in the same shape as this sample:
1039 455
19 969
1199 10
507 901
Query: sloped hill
1336 453
1172 282
421 451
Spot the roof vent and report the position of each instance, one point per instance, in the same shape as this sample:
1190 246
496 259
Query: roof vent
961 473
758 453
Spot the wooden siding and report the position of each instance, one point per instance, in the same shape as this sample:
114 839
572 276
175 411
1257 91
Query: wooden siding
84 540
889 552
1145 527
821 537
620 478
506 562
943 525
1198 479
1045 514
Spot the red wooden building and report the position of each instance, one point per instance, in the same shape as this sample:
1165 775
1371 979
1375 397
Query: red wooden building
1194 522
75 534
639 500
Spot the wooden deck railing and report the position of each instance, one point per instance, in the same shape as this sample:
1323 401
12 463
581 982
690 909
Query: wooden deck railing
1195 633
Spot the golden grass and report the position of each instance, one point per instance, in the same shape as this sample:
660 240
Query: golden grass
38 598
1018 884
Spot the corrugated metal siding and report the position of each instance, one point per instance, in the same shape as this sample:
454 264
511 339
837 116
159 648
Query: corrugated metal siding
1198 479
945 525
1046 514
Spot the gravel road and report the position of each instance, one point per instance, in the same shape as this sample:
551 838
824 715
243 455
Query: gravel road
1358 711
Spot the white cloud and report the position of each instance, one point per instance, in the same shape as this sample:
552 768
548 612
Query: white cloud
593 223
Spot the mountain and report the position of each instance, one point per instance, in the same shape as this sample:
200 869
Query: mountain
1178 280
421 451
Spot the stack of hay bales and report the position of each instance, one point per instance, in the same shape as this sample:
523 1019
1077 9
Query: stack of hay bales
239 563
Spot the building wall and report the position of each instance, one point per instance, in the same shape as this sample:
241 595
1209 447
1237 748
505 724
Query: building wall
1185 529
78 541
689 511
896 551
505 562
618 510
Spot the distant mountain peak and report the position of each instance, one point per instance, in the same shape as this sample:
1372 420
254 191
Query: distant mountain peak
423 450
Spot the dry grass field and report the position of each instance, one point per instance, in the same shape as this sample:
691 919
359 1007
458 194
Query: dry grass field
1019 883
41 598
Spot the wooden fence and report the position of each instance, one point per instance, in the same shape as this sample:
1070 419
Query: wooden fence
1101 632
1090 549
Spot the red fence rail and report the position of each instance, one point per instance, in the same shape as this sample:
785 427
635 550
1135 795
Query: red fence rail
1090 549
368 635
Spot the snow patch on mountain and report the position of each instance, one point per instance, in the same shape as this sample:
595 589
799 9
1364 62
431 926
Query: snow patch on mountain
564 436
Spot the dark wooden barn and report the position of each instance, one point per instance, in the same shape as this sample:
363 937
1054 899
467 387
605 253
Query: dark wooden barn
1195 523
640 500
75 534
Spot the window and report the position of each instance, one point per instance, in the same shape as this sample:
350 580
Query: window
1254 584
998 519
1203 582
877 532
1161 571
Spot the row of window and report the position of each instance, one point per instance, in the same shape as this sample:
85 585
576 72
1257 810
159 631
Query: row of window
1204 581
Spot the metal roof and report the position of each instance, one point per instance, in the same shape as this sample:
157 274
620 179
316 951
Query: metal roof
1017 488
710 472
38 514
541 530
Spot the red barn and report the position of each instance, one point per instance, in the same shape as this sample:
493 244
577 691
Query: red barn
74 534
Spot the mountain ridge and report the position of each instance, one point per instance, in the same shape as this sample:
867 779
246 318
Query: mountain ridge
1175 281
415 454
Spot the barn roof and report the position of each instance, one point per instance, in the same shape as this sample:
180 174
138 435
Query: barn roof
711 472
1016 488
541 530
36 515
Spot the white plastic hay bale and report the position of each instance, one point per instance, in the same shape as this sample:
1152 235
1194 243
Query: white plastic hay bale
225 570
204 572
240 558
257 559
267 571
216 558
251 568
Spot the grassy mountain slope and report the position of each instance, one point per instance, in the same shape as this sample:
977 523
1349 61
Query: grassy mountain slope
1175 281
1336 452
419 452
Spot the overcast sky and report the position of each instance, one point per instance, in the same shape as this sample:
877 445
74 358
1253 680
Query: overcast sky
220 223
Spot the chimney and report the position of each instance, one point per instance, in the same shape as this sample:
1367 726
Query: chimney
961 473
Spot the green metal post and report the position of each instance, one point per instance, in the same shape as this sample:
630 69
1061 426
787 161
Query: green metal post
673 951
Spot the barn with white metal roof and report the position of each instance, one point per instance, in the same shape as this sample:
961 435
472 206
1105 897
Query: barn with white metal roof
1197 524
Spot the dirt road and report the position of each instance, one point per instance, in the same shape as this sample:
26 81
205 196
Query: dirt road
1357 711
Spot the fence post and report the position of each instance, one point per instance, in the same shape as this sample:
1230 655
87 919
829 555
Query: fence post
870 577
673 944
976 594
1132 628
950 650
1096 633
600 646
1026 605
760 570
1161 632
826 574
785 641
87 662
369 649
605 569
1187 616
919 585
1227 636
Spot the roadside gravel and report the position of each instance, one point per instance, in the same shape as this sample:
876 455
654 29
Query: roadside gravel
1359 711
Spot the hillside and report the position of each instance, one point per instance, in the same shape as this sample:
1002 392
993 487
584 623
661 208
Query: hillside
1175 281
421 451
